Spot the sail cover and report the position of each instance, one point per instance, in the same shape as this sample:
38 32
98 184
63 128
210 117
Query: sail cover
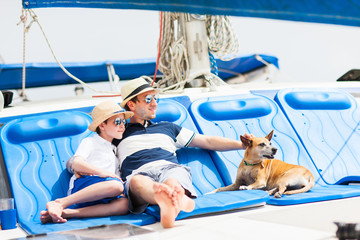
343 12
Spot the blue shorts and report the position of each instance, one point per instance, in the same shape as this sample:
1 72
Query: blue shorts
85 181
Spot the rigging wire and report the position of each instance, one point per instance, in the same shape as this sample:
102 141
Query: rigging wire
159 50
26 29
2 60
172 59
23 19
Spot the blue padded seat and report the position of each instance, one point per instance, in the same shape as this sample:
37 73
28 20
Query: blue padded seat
35 151
204 173
232 116
327 122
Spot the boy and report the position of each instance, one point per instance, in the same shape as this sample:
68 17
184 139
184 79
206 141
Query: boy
95 187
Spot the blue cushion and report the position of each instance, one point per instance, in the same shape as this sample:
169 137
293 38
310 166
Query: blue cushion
232 116
327 122
204 173
35 151
222 201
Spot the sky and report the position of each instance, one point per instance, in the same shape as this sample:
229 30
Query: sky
306 51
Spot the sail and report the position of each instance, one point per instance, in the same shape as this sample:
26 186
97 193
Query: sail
343 12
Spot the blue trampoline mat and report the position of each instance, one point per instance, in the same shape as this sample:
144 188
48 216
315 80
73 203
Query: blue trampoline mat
232 116
327 122
219 202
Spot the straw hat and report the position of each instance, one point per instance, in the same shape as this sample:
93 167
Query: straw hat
106 110
133 88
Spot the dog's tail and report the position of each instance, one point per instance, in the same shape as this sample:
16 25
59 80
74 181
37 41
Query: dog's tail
305 188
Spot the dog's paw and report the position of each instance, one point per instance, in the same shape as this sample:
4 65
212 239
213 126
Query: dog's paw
243 188
272 191
277 195
214 191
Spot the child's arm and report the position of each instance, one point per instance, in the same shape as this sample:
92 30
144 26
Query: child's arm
79 166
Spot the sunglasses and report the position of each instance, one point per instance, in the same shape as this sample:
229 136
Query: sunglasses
149 98
119 121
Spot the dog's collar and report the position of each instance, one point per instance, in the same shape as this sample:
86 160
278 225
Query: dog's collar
249 164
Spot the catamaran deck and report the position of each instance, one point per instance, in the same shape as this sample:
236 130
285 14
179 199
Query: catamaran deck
303 221
313 221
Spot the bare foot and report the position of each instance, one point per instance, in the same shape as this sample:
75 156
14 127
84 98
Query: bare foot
168 211
55 210
185 203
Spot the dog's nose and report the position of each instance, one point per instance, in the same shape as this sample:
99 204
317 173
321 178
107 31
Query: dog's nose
274 150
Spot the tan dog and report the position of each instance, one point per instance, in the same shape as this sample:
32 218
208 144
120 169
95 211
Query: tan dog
258 170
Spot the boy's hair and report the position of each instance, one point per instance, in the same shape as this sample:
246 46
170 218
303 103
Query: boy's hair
98 131
134 99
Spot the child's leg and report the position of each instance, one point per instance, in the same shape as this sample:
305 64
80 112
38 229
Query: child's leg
91 193
115 207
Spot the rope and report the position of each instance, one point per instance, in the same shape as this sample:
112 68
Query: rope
214 66
267 64
114 79
260 59
172 55
23 19
174 62
35 19
222 39
2 60
159 48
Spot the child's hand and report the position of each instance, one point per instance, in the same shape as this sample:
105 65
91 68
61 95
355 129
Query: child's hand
106 174
77 174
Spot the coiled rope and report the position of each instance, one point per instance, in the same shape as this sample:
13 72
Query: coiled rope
174 62
222 39
173 59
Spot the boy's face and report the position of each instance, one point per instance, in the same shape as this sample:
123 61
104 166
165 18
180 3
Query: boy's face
113 128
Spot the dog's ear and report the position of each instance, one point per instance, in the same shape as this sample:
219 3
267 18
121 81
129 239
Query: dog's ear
247 142
270 135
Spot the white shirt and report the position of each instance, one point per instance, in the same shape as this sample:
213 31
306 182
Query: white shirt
98 152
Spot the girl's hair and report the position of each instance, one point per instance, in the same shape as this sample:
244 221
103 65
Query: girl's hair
98 131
